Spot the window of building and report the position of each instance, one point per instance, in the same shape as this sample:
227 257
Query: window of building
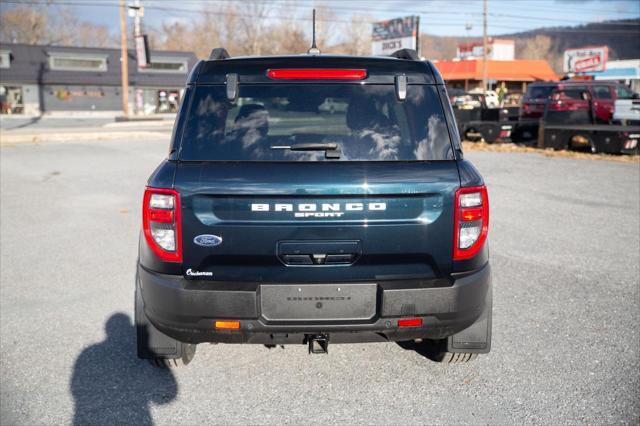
167 65
77 62
5 59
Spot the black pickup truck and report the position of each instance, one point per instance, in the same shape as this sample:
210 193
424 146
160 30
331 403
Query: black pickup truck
476 121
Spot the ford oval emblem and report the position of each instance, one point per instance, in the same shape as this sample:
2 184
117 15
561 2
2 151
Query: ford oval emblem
208 240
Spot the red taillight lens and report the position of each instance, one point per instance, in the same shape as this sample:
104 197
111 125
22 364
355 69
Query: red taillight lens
161 223
410 322
471 221
317 74
164 216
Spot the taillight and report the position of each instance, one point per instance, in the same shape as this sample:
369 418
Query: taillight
471 221
316 74
161 223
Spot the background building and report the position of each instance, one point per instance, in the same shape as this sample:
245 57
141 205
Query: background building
497 50
46 79
624 71
515 74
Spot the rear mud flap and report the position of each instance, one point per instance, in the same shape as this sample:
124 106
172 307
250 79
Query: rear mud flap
477 337
151 342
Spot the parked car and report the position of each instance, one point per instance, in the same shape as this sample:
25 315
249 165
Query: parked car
604 94
289 225
332 106
490 97
469 101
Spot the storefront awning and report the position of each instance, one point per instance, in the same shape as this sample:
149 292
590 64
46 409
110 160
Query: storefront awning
517 70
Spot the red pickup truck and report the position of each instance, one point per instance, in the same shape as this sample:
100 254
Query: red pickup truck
603 93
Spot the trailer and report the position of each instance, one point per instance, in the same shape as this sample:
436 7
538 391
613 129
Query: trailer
488 124
576 129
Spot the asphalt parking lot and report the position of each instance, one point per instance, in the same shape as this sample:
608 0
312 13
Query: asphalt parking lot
565 247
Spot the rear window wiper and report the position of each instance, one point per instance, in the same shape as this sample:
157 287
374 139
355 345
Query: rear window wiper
331 150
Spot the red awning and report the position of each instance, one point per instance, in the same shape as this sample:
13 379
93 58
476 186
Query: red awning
517 70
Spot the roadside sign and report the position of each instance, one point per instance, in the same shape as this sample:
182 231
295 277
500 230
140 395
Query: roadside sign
586 59
142 51
400 33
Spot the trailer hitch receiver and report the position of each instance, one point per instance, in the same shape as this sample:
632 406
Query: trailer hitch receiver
318 343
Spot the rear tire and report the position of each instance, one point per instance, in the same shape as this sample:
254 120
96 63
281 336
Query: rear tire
188 352
436 351
455 358
472 131
150 340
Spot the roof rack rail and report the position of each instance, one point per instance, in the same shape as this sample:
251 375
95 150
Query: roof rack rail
408 54
219 53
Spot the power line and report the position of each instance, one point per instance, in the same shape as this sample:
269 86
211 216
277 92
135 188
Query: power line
334 20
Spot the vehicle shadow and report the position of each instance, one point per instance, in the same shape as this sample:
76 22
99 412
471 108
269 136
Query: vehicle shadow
111 386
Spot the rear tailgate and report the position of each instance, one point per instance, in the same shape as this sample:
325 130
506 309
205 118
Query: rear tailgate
317 222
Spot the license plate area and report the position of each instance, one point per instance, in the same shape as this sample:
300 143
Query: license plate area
318 302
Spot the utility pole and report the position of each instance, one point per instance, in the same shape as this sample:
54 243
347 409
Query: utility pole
124 60
484 47
136 12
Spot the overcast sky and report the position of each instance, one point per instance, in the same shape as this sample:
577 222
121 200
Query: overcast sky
457 18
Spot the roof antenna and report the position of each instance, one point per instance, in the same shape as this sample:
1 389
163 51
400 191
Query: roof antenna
313 50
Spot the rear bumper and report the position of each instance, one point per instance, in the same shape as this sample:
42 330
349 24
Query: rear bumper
186 310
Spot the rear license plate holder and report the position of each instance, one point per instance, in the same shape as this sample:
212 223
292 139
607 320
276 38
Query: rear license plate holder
318 302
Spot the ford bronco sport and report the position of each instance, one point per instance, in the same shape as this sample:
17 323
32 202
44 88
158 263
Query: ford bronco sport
276 221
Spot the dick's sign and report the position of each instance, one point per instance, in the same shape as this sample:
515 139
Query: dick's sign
400 33
586 59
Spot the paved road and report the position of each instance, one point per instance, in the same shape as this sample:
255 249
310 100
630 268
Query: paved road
16 123
565 250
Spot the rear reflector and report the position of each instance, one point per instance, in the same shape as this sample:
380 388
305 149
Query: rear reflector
228 325
410 322
317 74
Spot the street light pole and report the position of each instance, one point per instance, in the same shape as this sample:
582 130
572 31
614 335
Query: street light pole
136 11
124 60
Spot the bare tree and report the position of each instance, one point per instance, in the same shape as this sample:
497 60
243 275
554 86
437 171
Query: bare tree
50 25
534 48
252 26
358 36
24 25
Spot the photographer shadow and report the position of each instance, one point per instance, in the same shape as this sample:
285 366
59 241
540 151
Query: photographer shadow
111 386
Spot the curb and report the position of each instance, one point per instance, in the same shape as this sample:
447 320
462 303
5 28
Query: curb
23 139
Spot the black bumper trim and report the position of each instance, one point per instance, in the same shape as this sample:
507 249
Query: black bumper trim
181 310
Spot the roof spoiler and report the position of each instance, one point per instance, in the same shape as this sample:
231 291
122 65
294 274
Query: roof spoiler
219 53
408 54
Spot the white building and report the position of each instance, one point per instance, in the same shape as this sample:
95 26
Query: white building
498 50
626 71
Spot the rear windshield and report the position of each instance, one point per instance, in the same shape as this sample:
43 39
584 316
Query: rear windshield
539 92
316 122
